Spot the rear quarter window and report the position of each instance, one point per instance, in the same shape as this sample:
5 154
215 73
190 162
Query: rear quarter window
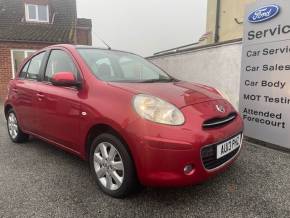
33 70
24 70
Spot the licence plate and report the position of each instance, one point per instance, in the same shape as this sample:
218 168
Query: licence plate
229 146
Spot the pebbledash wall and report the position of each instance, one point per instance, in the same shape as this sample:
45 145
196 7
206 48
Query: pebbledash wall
6 62
214 65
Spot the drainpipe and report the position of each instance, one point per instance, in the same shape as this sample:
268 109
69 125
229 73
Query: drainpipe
217 20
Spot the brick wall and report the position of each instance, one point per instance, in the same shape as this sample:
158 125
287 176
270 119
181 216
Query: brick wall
5 62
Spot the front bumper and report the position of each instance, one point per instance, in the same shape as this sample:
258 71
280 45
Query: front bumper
161 152
166 167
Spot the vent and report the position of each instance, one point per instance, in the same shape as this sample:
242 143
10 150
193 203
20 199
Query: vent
216 122
209 159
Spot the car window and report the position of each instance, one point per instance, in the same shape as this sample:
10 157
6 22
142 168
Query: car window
59 61
24 70
133 70
104 69
117 66
34 67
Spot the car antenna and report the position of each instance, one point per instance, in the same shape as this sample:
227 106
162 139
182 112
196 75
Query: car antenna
103 41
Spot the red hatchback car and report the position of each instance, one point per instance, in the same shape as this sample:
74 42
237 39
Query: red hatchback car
131 120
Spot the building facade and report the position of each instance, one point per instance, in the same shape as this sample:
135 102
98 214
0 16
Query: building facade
29 25
224 23
225 20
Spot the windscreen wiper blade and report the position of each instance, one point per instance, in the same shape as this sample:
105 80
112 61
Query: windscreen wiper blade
159 80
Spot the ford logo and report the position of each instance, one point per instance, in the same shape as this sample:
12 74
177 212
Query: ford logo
264 13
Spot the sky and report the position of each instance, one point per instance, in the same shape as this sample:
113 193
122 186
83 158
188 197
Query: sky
145 26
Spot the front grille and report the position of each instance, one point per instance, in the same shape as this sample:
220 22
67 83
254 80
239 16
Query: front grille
216 122
209 159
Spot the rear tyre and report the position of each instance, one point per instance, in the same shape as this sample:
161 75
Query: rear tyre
14 130
112 166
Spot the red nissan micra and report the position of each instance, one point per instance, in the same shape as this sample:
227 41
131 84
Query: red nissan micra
131 120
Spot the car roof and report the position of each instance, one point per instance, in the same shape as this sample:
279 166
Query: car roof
70 46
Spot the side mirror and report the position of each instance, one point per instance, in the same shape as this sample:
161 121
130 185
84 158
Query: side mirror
66 79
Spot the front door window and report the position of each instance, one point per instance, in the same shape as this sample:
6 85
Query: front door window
59 61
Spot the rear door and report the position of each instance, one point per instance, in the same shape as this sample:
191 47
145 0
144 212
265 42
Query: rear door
60 107
25 89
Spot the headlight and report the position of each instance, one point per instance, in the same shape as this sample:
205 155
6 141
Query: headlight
223 94
157 110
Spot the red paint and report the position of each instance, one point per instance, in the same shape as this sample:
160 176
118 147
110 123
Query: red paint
160 152
63 77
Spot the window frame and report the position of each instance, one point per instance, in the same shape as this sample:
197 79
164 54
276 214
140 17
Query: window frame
22 68
36 13
79 72
40 71
26 51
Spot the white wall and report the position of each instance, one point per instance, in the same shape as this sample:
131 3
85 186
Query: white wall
215 66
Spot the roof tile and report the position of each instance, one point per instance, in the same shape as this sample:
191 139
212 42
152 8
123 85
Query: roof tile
13 26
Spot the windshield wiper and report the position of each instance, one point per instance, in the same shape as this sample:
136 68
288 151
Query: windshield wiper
159 80
146 81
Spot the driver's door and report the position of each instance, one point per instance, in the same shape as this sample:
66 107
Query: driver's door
60 107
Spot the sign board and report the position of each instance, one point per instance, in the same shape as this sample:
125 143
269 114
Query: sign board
265 76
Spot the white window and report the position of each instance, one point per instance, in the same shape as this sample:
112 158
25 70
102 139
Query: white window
37 13
17 56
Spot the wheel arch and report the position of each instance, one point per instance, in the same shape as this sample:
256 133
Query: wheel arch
98 129
6 109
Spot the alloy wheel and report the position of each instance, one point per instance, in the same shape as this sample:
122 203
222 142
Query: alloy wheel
108 166
13 126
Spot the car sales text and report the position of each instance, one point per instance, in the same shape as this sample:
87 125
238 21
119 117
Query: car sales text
266 67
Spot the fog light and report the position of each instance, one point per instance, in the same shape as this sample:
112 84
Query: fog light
188 169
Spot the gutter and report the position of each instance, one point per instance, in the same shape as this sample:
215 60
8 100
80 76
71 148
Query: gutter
33 41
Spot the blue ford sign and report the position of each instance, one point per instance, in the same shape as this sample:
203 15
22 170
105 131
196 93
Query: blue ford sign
264 13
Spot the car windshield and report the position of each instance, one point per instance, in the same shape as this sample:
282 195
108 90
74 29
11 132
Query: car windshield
117 66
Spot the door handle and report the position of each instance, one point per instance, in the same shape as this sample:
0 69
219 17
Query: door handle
15 90
39 95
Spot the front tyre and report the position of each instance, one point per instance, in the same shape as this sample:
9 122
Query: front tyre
14 130
112 166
